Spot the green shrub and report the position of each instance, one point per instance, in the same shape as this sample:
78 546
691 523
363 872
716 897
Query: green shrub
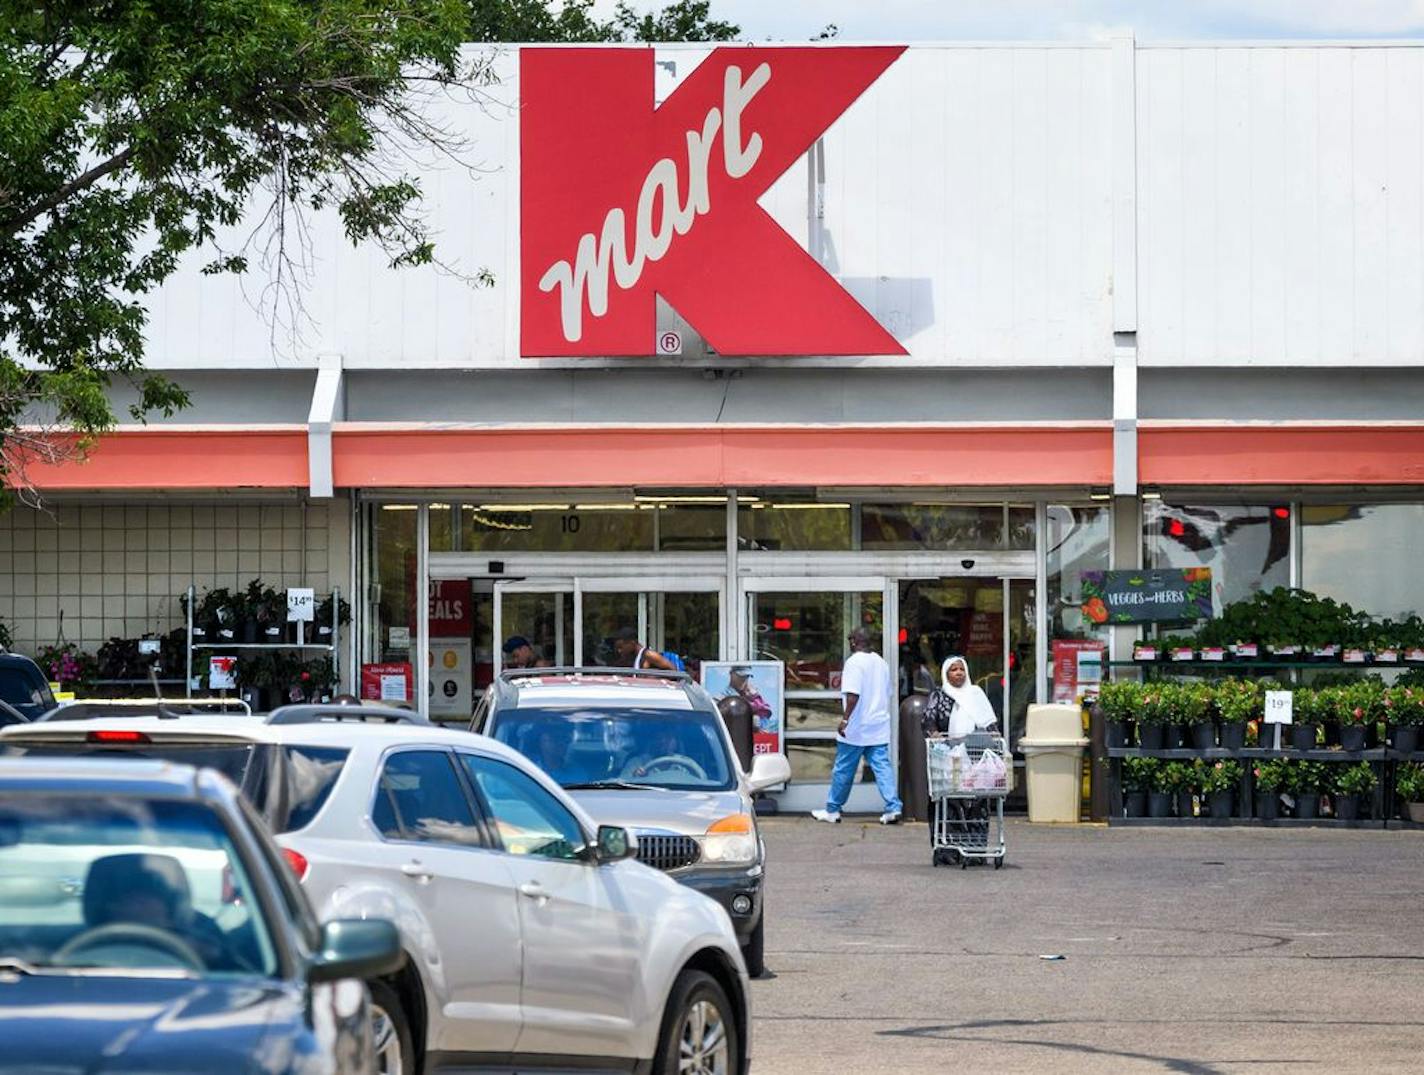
1238 700
1140 774
1120 701
1307 778
1272 775
1409 783
1356 779
1223 775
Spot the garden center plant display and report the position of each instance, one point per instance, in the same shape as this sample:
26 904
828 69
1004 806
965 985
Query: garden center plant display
1351 784
1219 781
1409 788
1271 776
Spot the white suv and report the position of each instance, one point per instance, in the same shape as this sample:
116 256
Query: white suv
534 940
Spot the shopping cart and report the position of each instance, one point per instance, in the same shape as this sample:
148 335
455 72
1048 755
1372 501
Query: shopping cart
969 779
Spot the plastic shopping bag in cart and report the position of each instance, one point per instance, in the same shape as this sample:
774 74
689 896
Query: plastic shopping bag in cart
989 773
947 765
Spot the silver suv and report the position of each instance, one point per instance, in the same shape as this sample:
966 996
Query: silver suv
648 751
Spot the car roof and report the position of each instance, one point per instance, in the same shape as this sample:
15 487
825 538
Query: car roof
108 776
237 728
593 688
17 660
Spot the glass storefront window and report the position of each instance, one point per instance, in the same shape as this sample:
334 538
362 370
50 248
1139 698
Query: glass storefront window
789 523
393 576
1078 540
891 527
1247 547
1366 555
556 526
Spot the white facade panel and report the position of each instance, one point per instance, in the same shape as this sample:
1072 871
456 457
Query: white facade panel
967 204
1280 205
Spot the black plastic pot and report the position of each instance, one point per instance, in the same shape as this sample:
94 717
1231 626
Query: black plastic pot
1404 737
1135 803
1352 736
1203 735
1302 736
1223 803
1268 805
1232 735
1151 736
1347 807
1117 733
1307 806
1159 804
1184 804
249 631
1177 736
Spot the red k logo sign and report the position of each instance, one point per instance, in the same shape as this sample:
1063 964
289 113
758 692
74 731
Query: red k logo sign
621 202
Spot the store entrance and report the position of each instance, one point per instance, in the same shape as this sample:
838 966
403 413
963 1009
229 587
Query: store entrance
572 622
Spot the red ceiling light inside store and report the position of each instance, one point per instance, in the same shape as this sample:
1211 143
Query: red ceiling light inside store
1281 513
781 623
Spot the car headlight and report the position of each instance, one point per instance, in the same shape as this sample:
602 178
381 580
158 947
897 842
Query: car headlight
730 841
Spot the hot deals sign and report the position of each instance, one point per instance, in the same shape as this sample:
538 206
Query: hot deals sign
621 202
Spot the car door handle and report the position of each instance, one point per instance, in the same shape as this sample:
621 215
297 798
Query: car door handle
416 871
535 891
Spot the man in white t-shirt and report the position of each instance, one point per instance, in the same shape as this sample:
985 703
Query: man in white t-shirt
864 730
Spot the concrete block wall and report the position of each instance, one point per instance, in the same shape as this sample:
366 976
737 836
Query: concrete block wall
100 570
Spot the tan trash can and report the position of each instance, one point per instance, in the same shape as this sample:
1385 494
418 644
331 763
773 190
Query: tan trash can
1052 747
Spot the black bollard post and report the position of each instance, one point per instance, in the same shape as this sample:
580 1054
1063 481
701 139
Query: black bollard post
914 779
737 716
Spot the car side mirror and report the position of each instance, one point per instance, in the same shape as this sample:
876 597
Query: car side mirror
356 948
615 844
769 770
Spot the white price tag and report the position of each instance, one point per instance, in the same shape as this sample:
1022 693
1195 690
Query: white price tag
301 604
1278 707
147 647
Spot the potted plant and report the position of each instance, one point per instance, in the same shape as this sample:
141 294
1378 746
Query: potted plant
265 613
1272 777
68 665
1307 778
1161 794
1237 702
1404 706
1351 782
1191 705
1138 779
1409 787
1144 650
1355 707
1180 779
1219 782
1118 703
1151 717
323 618
1306 714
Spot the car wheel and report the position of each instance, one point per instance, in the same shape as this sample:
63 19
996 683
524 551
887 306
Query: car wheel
390 1032
699 1032
753 952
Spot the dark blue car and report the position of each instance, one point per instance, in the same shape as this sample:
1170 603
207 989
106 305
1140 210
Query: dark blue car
149 924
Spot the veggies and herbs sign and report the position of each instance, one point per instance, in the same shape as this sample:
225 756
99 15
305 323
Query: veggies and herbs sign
1168 595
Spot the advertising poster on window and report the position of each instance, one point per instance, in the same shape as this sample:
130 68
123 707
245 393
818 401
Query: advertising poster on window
1077 668
760 685
450 681
391 682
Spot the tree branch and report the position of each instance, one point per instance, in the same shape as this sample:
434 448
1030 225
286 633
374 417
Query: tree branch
10 225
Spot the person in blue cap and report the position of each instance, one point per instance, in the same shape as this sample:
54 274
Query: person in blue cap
518 653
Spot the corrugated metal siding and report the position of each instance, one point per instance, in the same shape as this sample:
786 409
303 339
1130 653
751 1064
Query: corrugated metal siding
1280 205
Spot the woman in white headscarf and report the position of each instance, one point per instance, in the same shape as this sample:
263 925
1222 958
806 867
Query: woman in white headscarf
959 707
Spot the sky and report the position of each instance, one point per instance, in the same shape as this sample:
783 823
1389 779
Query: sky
1067 20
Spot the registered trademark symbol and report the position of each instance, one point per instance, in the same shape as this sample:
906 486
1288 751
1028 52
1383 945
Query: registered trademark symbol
670 343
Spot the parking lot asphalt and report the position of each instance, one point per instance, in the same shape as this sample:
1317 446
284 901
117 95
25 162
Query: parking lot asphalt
1185 950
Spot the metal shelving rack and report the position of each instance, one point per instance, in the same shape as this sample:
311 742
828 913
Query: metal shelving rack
333 647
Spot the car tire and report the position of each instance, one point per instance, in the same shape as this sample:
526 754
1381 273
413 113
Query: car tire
697 1008
390 1032
754 951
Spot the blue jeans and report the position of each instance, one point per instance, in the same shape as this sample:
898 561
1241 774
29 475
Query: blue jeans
848 764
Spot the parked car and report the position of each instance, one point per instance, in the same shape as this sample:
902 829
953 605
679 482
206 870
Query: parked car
533 939
649 751
23 688
148 923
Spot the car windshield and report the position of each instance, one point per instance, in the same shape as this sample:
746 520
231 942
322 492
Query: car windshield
664 748
18 688
230 759
127 886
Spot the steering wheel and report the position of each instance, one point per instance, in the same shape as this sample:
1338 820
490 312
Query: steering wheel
119 933
668 761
